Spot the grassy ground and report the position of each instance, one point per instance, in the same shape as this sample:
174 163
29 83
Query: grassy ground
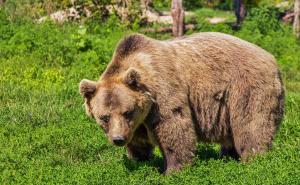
47 138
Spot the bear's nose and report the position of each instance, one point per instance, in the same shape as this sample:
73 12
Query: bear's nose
119 140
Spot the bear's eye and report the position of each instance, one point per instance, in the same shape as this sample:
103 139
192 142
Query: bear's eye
105 118
128 114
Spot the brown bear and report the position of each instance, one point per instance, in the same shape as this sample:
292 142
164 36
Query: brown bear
208 87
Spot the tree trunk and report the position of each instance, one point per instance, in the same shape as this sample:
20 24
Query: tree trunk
297 18
239 10
177 13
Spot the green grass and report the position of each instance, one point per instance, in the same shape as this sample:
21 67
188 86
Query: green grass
46 138
209 13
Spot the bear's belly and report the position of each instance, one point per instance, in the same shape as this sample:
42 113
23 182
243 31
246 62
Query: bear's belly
211 116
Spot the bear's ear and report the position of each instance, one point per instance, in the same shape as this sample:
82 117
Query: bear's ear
132 78
87 88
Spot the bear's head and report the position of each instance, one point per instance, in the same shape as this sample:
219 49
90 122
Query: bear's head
119 105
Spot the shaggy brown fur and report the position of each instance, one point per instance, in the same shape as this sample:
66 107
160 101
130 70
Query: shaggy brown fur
208 87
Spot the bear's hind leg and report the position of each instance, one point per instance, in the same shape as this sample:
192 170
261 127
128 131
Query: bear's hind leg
255 116
253 137
247 145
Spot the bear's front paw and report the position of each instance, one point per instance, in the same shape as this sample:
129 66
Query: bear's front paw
139 154
173 168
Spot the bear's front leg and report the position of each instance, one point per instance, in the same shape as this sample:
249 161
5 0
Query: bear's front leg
140 148
139 153
177 138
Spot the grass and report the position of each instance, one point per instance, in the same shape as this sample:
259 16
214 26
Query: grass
46 138
209 13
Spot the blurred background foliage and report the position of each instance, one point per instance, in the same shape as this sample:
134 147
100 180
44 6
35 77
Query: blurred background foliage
39 8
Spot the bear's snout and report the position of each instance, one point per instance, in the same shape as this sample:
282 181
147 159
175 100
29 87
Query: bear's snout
119 140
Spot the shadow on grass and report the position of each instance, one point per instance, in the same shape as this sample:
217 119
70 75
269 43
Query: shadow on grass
205 152
156 163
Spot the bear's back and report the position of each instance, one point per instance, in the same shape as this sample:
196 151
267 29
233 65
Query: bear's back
218 44
211 55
